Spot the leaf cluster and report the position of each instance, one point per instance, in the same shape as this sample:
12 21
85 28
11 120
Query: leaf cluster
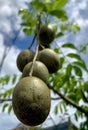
5 92
70 79
51 12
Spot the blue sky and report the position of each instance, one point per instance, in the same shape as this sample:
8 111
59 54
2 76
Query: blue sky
10 25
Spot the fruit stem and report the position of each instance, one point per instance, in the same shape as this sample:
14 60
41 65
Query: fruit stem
37 47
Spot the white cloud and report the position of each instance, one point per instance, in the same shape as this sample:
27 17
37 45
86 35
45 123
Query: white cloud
82 22
9 20
74 7
9 13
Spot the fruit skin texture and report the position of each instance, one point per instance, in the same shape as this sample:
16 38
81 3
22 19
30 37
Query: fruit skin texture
39 70
31 101
46 35
23 58
50 59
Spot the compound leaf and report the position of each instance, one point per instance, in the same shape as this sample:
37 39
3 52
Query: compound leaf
69 45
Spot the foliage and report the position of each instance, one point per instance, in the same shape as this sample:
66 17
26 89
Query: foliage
70 81
5 92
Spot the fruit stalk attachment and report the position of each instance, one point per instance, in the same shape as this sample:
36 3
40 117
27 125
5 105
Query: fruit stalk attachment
37 47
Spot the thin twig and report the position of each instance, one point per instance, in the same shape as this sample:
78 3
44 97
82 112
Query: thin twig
3 58
6 51
4 100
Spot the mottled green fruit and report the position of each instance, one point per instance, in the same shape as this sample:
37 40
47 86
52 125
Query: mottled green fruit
46 35
23 58
31 101
50 59
39 70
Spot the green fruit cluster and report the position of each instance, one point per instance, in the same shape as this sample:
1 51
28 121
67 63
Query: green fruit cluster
31 98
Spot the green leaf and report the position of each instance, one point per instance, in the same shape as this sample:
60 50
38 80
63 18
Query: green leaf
4 107
8 93
14 78
86 86
26 24
49 6
23 11
58 13
72 95
69 45
56 109
73 55
38 5
56 50
80 64
55 5
77 70
60 34
76 116
61 62
60 80
62 106
68 70
28 31
25 14
63 27
10 108
60 3
5 94
7 78
29 22
76 28
83 48
77 57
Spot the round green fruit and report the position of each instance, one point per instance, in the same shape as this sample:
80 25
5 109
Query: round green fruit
23 58
39 70
31 101
50 59
46 35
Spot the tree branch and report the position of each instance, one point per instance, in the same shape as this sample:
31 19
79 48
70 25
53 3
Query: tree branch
4 100
69 101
